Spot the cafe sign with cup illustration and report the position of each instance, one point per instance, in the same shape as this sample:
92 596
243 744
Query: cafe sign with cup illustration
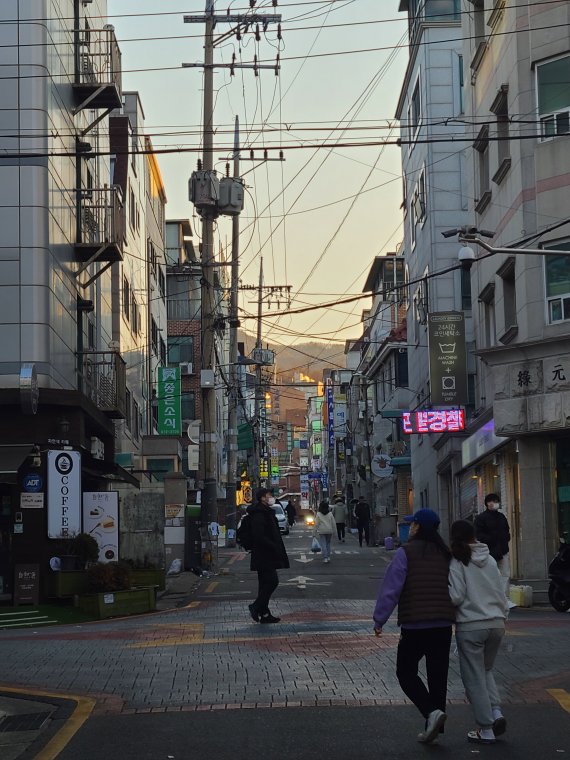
101 520
64 493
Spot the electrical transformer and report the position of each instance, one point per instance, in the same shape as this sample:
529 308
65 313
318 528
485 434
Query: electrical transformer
204 190
231 196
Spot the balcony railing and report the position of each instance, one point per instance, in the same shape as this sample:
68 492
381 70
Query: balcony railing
103 379
100 224
98 69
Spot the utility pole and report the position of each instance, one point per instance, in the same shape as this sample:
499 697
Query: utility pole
233 397
258 433
210 202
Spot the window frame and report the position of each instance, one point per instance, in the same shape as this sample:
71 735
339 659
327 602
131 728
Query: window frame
550 114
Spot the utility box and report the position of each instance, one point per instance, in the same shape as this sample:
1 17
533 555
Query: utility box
231 196
204 190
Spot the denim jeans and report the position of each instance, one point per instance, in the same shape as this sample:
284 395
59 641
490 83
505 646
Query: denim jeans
325 542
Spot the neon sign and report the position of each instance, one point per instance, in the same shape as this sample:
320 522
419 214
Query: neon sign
434 421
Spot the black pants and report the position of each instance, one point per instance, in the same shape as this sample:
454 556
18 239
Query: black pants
363 527
433 644
340 531
268 580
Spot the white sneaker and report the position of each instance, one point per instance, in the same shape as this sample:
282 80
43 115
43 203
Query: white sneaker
435 721
327 559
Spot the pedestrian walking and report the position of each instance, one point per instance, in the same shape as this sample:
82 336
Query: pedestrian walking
363 515
291 513
476 591
492 528
268 554
339 514
325 526
417 581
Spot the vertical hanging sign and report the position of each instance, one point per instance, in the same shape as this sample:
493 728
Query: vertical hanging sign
330 412
447 358
169 401
64 493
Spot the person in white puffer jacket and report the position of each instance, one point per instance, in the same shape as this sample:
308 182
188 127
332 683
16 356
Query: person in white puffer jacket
476 590
325 526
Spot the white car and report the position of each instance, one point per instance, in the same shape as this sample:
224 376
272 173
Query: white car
281 519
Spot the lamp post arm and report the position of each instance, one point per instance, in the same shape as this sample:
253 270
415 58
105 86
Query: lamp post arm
529 251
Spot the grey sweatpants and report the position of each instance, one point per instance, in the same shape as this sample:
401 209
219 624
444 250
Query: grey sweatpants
477 652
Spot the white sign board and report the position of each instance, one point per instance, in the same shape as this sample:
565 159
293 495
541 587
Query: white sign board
31 501
101 520
64 493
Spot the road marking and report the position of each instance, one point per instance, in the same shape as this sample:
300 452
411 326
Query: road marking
237 557
562 697
303 558
211 586
57 744
301 582
192 605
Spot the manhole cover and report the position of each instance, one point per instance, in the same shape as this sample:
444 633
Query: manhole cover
31 722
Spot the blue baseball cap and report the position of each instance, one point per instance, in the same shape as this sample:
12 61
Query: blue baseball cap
425 517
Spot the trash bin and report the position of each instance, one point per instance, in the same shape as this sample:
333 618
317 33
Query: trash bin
389 543
403 532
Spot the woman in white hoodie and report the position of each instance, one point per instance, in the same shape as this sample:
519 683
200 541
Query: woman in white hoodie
477 592
325 526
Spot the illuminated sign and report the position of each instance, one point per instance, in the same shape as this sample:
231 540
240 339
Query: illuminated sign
435 421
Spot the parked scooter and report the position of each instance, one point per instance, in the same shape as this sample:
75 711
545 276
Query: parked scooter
559 574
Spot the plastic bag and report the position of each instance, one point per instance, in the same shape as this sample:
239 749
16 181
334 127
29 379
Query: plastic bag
315 546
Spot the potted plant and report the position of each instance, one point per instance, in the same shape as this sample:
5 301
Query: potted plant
111 594
146 573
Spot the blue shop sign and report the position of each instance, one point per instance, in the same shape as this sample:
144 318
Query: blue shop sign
33 482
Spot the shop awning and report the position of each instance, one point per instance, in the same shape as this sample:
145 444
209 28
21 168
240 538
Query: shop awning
11 459
110 471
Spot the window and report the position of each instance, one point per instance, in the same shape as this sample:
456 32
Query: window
481 146
90 335
132 208
162 352
401 379
135 316
461 84
507 274
557 275
415 112
154 336
161 282
500 108
553 92
487 299
152 258
126 299
180 349
136 420
188 405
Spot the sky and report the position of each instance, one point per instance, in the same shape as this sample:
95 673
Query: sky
319 217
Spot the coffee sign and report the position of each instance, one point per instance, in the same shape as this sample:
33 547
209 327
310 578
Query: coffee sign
64 493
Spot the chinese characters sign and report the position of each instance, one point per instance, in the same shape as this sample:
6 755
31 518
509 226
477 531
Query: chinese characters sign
443 421
169 401
447 358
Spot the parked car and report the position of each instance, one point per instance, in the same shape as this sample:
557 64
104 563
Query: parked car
281 519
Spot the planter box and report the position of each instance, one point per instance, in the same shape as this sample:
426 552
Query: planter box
118 603
148 577
64 583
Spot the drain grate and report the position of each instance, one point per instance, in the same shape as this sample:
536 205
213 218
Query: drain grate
31 722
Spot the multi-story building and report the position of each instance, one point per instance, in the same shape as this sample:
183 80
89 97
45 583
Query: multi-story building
431 114
517 69
62 376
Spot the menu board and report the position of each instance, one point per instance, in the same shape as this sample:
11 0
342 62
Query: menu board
101 520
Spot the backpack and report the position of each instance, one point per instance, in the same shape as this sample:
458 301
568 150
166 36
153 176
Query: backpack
244 535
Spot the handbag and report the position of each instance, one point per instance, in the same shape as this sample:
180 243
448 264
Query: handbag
315 545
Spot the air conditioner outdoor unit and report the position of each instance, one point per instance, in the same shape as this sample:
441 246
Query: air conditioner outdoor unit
186 368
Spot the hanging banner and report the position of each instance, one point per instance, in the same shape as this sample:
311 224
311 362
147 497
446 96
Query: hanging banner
169 401
447 359
64 493
330 412
101 520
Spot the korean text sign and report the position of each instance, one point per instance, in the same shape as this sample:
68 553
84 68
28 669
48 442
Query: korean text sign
447 358
169 401
101 520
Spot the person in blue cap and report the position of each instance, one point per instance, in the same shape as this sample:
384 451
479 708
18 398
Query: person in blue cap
417 582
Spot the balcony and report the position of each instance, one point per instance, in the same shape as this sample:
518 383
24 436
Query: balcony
97 70
100 225
103 379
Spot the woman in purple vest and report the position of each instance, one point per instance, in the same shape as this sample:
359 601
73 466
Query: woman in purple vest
417 581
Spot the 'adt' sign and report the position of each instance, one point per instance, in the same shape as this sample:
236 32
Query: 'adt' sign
32 483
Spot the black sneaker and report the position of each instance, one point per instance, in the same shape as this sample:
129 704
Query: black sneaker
253 612
269 619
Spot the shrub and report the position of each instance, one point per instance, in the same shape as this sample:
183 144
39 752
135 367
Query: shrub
108 576
85 547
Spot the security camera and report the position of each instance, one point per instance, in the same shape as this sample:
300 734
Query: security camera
466 257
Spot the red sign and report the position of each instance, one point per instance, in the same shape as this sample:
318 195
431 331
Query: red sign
434 421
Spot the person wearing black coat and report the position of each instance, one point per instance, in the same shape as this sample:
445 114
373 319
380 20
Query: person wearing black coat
492 528
268 554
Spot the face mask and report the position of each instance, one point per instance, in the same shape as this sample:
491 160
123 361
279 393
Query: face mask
493 505
271 501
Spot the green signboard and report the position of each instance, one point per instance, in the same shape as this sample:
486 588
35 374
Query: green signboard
447 358
169 401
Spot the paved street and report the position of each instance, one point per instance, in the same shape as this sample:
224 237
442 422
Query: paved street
205 678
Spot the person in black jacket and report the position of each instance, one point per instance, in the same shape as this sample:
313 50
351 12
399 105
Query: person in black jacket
363 516
492 528
268 554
